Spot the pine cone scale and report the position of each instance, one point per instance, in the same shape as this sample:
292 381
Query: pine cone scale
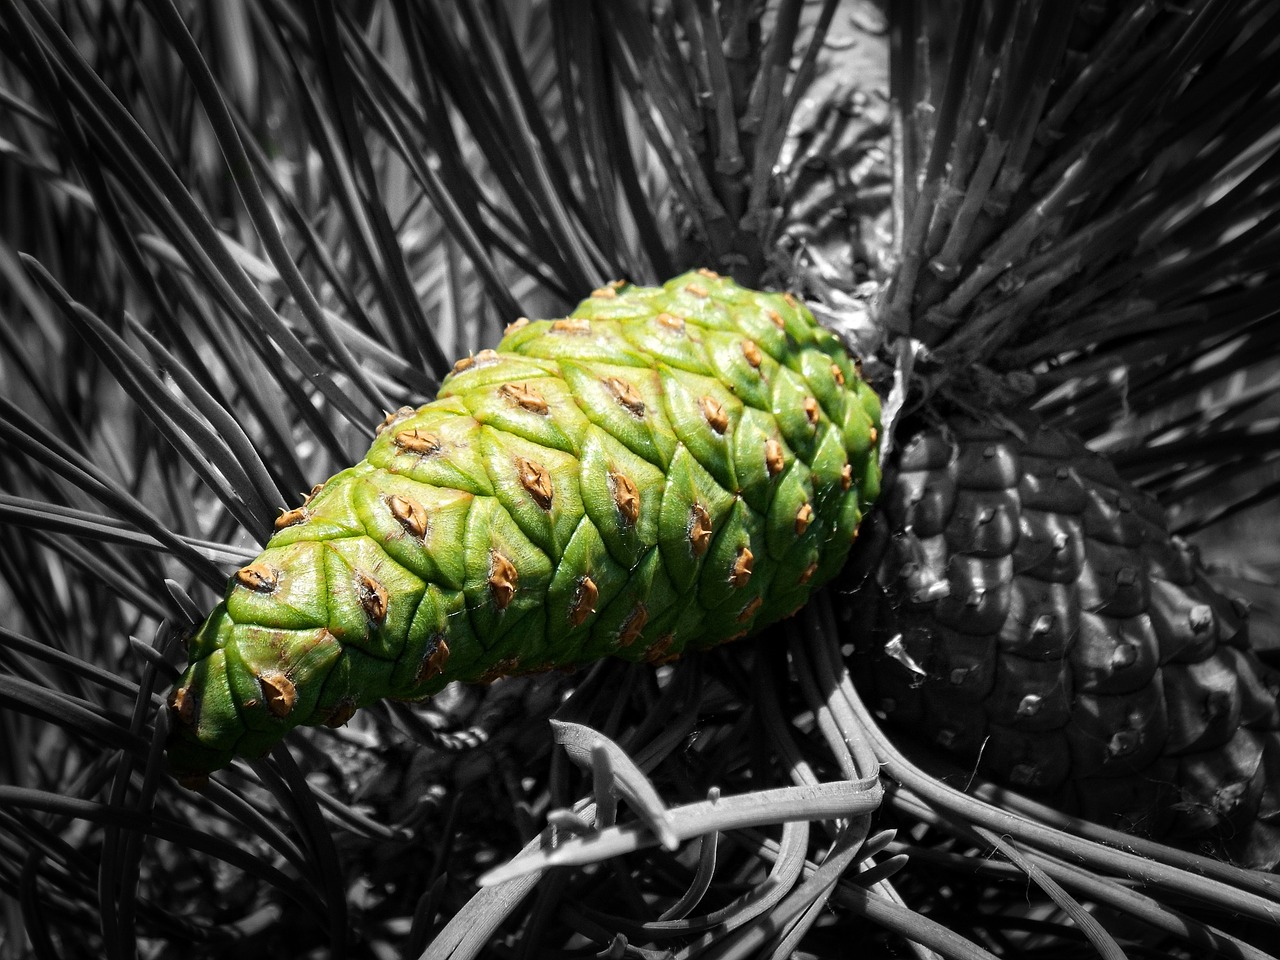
1043 624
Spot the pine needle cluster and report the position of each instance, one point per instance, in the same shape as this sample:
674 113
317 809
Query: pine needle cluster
234 235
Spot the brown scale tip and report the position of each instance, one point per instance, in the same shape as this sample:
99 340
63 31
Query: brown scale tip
183 704
536 480
811 410
279 692
807 574
634 625
604 293
874 435
750 610
752 353
258 576
714 413
740 576
525 397
373 597
342 711
409 513
846 476
790 300
776 317
838 374
519 323
804 517
394 417
670 322
572 325
312 494
657 654
417 440
484 358
773 457
289 518
708 273
626 395
433 663
699 529
697 289
503 668
626 497
503 578
584 601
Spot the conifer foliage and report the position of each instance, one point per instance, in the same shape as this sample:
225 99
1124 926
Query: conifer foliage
236 235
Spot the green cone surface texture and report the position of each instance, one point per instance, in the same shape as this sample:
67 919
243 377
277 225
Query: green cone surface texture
666 469
1036 617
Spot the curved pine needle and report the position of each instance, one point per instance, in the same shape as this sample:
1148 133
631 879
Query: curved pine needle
581 745
826 801
707 848
798 906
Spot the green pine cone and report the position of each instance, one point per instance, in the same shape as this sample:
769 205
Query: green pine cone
666 469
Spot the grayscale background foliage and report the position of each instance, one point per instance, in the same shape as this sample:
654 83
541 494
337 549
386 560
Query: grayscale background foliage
234 235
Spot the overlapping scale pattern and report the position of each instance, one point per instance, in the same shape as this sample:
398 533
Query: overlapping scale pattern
1034 615
667 468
